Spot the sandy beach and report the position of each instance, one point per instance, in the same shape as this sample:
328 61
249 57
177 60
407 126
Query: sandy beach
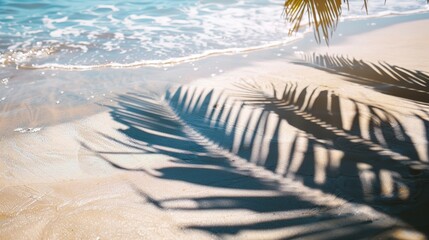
301 141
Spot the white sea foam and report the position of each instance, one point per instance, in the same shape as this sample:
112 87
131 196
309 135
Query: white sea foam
87 23
111 7
65 31
49 23
160 63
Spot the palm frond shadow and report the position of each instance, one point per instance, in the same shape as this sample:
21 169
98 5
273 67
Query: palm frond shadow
152 128
383 77
320 225
299 133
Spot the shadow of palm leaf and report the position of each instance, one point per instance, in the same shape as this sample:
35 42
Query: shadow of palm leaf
319 225
300 133
152 128
383 77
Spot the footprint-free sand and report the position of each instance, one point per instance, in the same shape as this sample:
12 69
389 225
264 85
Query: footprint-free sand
325 143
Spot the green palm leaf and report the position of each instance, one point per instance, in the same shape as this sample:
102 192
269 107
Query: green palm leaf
323 15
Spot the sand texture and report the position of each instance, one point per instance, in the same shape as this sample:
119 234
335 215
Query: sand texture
328 144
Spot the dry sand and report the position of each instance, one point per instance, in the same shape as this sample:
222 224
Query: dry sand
300 149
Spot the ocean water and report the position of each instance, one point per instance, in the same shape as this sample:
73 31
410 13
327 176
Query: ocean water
110 33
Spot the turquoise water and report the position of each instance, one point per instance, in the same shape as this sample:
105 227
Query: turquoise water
83 34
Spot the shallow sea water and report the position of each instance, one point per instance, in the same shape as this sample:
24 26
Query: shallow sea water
81 34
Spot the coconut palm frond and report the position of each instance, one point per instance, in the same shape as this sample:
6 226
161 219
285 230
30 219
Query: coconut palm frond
323 15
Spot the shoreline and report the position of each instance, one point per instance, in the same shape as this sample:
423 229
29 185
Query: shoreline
59 91
384 20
